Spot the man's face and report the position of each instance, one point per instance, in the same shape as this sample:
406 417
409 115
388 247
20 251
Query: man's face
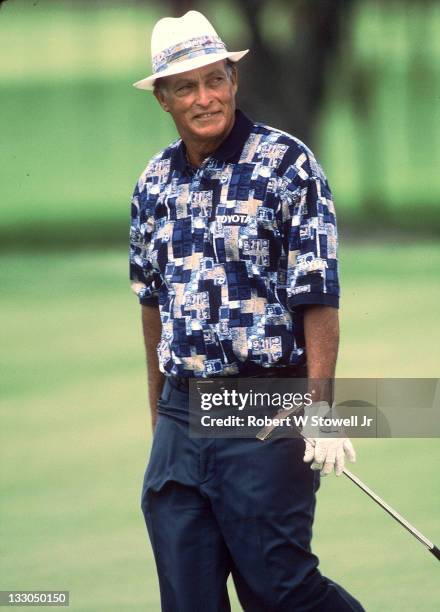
201 102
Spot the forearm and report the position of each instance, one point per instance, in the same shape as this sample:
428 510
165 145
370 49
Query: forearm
152 327
321 330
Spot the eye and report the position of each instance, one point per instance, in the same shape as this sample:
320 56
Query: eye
183 90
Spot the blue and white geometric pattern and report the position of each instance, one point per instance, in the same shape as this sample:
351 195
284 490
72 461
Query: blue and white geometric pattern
231 250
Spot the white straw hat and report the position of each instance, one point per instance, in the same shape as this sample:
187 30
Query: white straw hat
184 43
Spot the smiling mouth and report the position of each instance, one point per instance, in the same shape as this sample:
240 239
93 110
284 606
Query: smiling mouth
206 116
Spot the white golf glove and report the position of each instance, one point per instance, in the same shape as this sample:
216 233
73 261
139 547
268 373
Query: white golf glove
326 451
328 454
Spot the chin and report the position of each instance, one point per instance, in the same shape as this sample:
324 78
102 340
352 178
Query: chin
215 129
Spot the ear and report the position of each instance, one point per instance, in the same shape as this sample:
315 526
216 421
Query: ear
162 99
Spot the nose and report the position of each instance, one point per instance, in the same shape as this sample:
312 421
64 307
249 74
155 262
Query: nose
203 95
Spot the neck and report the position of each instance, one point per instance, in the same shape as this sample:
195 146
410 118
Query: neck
198 150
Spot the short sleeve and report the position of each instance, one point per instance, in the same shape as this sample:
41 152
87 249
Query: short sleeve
145 279
312 265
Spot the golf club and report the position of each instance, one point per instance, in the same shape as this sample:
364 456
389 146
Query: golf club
396 516
265 433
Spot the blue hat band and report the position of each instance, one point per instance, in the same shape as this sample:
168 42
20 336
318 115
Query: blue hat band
194 47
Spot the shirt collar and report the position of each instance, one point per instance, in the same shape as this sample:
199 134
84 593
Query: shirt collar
229 150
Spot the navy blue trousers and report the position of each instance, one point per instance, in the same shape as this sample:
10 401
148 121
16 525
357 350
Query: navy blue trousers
215 507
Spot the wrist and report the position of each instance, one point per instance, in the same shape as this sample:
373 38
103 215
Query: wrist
321 421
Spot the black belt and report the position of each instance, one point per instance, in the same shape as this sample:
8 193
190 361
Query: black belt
182 382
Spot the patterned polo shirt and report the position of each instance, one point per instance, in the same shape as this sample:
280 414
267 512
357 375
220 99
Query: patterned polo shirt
231 251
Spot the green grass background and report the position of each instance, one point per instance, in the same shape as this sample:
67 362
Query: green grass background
75 434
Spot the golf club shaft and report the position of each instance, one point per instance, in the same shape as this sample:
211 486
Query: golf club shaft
266 432
396 516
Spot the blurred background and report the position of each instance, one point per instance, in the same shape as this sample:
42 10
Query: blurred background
359 82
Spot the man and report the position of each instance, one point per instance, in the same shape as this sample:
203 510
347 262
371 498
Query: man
233 257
